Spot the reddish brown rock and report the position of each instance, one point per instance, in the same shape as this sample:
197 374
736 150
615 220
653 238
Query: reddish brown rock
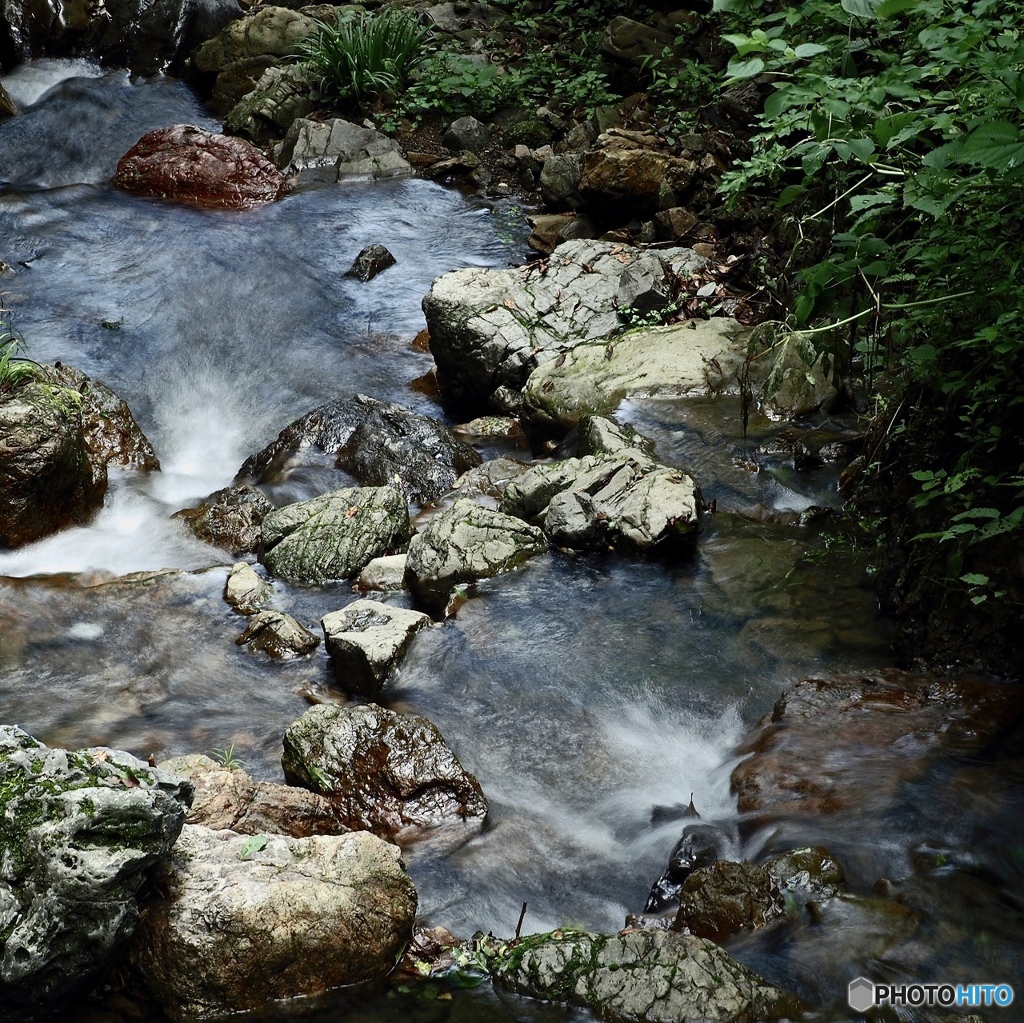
835 745
190 165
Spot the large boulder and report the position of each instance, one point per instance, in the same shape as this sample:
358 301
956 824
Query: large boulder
818 751
366 640
465 543
270 32
191 165
230 518
228 799
335 535
47 481
112 436
490 329
258 918
641 976
377 442
339 149
387 772
78 834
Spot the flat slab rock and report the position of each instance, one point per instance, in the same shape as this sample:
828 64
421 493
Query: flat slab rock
490 329
335 535
228 799
366 640
818 751
253 919
465 543
194 166
642 977
386 772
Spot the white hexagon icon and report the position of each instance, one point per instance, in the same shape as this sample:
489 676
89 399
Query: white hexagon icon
861 994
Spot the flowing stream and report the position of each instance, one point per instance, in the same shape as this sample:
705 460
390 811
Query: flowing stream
583 691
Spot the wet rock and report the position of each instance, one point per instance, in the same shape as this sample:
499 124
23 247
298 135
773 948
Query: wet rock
464 165
335 535
230 518
244 589
190 165
376 442
415 454
111 434
560 181
699 846
485 427
467 133
489 480
725 898
859 929
632 41
819 750
490 329
277 634
230 800
628 500
281 94
366 640
811 871
342 148
386 772
465 543
372 260
47 480
383 574
253 919
7 107
697 357
78 834
644 976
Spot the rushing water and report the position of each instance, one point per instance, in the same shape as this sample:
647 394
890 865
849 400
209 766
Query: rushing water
583 691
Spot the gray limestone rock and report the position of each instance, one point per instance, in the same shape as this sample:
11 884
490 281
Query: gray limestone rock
78 833
642 976
341 149
245 590
257 918
278 635
386 772
281 95
465 543
560 180
335 535
383 574
467 133
366 640
492 328
271 31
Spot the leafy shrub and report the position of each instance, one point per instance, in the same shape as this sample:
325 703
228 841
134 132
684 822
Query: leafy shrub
364 56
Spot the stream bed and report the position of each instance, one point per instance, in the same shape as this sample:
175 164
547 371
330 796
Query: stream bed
582 691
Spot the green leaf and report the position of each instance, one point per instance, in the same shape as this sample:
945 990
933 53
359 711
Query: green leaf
861 8
974 579
997 145
739 69
810 49
887 8
253 845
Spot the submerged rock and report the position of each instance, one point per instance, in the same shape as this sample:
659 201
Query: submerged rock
386 772
643 976
257 918
244 589
47 481
465 543
277 634
366 640
371 261
489 329
191 165
227 799
78 832
230 518
820 750
335 535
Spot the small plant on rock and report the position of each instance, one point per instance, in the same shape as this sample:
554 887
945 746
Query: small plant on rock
13 370
228 758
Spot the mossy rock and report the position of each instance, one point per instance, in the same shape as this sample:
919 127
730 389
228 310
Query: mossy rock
532 133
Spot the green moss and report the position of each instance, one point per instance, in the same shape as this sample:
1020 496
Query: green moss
531 133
